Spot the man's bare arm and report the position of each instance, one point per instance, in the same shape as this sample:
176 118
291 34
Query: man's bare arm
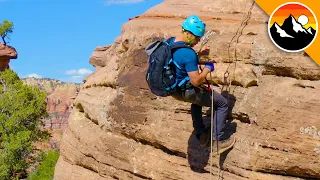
197 78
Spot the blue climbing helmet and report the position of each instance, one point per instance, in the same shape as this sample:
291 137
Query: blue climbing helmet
194 24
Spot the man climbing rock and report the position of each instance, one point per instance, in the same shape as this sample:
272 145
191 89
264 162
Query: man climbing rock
192 30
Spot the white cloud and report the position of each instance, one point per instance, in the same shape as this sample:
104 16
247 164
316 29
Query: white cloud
79 72
77 75
33 75
76 79
112 2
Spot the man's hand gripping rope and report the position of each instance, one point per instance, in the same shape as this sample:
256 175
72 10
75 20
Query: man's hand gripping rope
204 51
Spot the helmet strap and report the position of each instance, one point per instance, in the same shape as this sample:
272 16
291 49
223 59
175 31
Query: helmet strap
189 40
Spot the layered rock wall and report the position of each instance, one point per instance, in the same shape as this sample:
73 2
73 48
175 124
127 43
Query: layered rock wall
120 130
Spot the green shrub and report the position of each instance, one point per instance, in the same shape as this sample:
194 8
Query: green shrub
21 109
45 170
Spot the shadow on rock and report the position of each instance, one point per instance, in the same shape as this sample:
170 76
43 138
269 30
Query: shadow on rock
198 157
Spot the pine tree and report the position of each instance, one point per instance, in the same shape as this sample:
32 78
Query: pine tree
21 107
6 28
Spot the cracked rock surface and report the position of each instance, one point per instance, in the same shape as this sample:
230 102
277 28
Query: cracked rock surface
120 130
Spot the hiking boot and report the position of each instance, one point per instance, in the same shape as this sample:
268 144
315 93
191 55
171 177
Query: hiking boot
203 138
223 145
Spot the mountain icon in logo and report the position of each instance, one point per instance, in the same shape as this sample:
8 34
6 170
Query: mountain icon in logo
292 35
293 27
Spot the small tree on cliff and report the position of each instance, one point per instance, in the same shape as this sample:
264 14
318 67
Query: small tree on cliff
21 107
5 30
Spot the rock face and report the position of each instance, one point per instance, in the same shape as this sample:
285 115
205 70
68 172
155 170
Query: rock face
120 130
6 53
60 96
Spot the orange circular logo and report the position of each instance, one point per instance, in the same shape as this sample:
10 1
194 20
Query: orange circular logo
293 27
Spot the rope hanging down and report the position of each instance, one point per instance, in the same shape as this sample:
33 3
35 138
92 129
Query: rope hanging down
239 31
204 40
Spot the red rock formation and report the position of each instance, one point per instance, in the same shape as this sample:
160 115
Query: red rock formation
59 105
6 53
120 130
60 97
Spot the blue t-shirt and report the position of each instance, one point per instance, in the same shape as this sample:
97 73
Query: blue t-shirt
187 59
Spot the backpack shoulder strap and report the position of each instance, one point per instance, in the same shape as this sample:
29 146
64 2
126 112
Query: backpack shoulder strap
182 45
176 45
179 45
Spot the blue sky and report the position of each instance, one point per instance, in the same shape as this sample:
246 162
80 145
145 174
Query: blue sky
55 38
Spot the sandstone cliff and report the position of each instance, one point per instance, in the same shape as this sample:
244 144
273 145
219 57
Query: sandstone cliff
60 96
119 130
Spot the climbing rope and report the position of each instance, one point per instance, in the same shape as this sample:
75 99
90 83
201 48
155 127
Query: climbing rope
211 147
239 31
206 38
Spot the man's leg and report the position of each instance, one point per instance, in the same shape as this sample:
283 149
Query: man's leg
192 96
196 114
196 110
203 98
220 115
222 143
201 131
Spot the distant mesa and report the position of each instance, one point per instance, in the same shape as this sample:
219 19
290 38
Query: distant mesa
292 35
